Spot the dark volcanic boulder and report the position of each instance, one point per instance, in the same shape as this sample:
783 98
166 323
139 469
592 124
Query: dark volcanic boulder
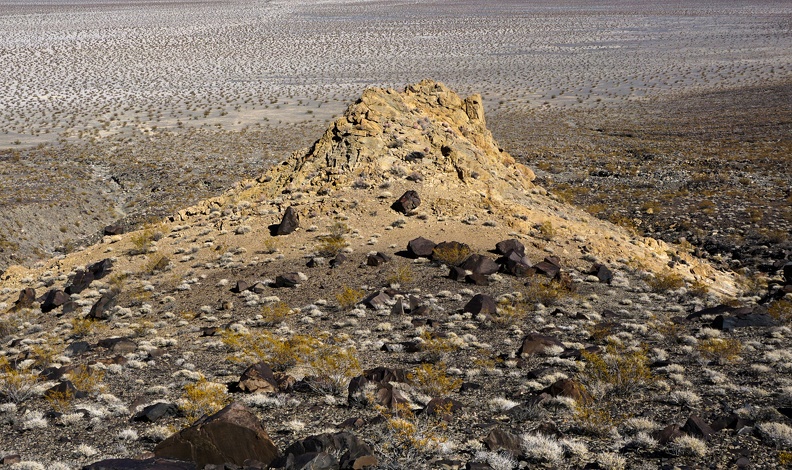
480 264
377 259
101 269
602 272
481 304
352 450
113 229
53 299
535 343
258 378
287 280
742 321
517 265
420 247
511 245
408 202
289 223
232 435
550 267
155 412
101 309
80 282
26 298
498 439
147 464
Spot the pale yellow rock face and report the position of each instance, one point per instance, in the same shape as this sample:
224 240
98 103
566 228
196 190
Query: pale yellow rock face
464 177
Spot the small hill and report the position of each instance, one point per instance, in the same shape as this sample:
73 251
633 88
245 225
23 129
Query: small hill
400 293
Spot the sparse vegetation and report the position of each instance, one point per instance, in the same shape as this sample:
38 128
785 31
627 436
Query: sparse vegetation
433 380
349 297
665 281
202 398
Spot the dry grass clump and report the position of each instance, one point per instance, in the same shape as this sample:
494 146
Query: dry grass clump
331 244
17 385
203 398
620 371
719 349
781 310
275 312
451 254
336 364
401 275
280 353
665 281
349 297
433 380
143 239
546 230
87 379
82 327
407 438
545 291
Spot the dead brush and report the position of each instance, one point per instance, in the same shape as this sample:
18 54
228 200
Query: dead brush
618 370
781 310
331 244
547 292
433 380
203 398
17 385
280 353
665 281
87 379
275 313
451 254
720 350
405 438
338 366
349 297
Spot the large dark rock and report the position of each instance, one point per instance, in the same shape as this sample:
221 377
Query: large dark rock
480 264
420 247
351 449
517 265
53 299
377 259
147 464
602 272
457 274
477 279
113 229
500 440
375 300
550 267
788 273
77 348
481 304
80 282
232 435
535 343
569 388
258 378
118 345
101 309
668 434
101 269
742 321
287 280
26 298
289 223
506 247
408 202
695 426
155 412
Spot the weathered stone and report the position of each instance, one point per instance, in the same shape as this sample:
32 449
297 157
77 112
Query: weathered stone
346 445
101 269
385 374
240 286
258 288
548 268
500 440
338 260
717 310
603 273
258 378
398 308
742 321
377 259
232 435
53 299
113 229
696 426
118 345
376 300
408 202
26 298
147 464
477 279
11 459
480 264
443 407
517 265
456 273
77 348
420 247
535 343
506 247
388 397
101 309
569 388
155 412
481 304
668 434
289 223
787 273
287 280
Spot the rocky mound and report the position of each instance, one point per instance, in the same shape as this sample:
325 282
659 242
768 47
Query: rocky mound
398 294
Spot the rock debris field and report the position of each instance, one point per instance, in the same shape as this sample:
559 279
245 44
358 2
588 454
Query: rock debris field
399 294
